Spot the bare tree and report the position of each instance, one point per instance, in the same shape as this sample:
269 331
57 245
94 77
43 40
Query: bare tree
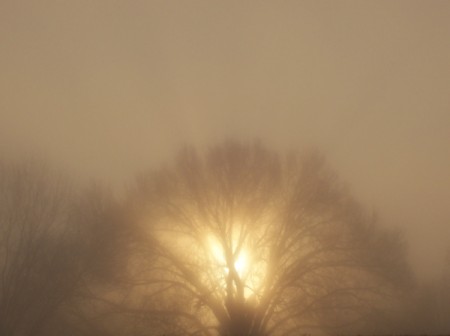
428 309
100 244
242 241
35 266
61 252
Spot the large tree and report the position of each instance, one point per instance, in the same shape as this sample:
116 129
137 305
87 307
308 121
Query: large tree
243 241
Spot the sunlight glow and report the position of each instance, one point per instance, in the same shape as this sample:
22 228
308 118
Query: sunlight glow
248 273
217 251
241 264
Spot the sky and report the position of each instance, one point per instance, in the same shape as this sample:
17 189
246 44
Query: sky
106 89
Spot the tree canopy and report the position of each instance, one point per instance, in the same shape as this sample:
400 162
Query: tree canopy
241 240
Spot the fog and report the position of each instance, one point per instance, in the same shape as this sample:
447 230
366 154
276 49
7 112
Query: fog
106 89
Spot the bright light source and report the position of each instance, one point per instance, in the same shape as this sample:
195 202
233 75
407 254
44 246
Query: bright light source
241 265
217 251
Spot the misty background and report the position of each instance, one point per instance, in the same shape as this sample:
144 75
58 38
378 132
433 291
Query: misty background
105 89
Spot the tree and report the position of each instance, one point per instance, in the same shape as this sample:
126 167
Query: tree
35 266
426 311
100 246
59 251
242 241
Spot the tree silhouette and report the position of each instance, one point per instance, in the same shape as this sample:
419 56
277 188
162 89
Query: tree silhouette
426 311
100 248
35 265
59 250
244 241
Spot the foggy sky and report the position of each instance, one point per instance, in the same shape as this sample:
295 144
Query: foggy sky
108 88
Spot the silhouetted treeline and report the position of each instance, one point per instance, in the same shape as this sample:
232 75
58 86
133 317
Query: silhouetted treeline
236 240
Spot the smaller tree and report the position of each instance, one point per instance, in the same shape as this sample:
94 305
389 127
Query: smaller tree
61 252
100 244
428 308
35 265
